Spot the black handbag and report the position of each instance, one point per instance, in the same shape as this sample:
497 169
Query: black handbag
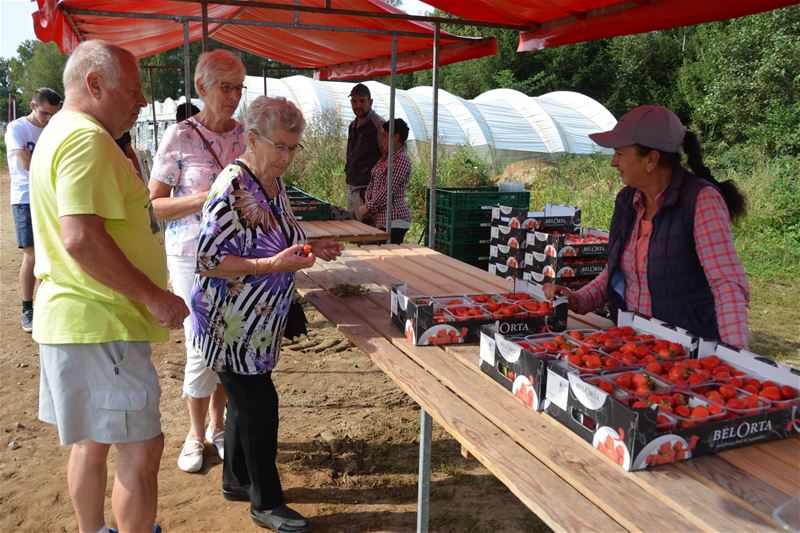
295 320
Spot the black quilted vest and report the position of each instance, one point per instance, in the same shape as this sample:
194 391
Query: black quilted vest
680 292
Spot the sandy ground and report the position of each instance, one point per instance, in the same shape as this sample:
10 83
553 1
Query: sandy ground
347 452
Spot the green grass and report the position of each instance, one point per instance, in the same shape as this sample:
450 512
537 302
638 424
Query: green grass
767 239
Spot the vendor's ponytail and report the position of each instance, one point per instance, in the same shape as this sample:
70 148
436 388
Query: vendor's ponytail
734 199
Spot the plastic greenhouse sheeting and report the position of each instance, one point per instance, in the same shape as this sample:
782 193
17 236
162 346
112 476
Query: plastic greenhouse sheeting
502 125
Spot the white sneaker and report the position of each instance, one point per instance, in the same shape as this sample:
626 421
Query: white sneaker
191 457
218 440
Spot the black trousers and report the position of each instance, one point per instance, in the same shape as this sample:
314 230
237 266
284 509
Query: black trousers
251 438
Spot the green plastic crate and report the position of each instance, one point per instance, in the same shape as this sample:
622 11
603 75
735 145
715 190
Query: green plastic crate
464 252
478 197
307 207
463 236
463 207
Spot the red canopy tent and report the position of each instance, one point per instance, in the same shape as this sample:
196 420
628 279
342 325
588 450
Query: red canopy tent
557 22
312 35
338 46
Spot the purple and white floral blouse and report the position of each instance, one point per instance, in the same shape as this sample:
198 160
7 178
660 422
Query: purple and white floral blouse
239 322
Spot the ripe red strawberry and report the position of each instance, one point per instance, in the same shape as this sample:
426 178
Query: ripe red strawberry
771 393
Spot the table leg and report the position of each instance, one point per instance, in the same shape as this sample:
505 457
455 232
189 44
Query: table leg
423 496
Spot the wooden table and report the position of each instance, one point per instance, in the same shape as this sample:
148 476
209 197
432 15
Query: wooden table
342 230
564 481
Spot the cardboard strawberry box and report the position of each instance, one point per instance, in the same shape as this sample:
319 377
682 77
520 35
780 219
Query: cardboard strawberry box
508 237
589 243
672 423
511 257
518 363
542 268
559 217
573 284
457 319
565 267
505 271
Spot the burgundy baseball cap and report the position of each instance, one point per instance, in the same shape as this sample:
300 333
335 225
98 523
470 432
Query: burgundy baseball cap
653 126
360 90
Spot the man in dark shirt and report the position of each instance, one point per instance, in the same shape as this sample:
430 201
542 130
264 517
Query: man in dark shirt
362 146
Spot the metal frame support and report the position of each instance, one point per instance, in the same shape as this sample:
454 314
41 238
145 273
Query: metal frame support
423 495
434 140
187 74
390 155
204 16
425 421
153 106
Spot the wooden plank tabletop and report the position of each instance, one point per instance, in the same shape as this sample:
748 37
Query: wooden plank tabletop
732 491
342 230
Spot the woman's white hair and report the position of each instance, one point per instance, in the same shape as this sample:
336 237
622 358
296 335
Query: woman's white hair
214 66
95 55
270 114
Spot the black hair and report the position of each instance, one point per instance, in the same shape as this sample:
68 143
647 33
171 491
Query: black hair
180 112
45 94
400 128
734 199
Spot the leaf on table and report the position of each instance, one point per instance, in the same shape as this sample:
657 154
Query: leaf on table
346 289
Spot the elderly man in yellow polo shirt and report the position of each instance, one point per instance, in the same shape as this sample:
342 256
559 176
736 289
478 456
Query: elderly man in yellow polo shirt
102 298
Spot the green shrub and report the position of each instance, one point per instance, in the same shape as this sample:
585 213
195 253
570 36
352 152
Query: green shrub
459 167
319 168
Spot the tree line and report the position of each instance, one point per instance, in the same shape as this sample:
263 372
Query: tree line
736 82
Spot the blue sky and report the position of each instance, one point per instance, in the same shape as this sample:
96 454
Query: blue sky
16 24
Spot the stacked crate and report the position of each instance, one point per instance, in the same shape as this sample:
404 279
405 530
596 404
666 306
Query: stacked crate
463 218
569 259
307 207
546 246
510 227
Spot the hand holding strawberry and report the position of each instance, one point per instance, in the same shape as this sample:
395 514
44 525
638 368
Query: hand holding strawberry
325 249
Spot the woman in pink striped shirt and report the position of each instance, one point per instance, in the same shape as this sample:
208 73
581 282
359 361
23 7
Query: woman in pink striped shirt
671 251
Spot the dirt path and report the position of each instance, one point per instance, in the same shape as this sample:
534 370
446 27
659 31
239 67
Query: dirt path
347 453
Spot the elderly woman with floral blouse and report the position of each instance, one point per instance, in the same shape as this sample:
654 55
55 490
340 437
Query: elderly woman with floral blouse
249 249
191 155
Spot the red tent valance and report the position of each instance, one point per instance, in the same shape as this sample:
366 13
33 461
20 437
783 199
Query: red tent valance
335 55
557 22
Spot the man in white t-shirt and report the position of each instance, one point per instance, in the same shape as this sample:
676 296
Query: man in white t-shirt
21 137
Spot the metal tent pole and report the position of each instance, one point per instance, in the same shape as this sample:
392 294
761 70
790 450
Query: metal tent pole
390 155
187 84
423 495
153 105
204 6
434 140
425 421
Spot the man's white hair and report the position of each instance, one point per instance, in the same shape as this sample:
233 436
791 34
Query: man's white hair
95 55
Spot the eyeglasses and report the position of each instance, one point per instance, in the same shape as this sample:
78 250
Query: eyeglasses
227 88
284 148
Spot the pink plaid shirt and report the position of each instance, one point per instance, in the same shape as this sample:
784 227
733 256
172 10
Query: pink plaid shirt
717 254
375 195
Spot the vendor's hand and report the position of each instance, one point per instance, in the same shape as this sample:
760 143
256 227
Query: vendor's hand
291 260
326 249
551 290
168 308
363 212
